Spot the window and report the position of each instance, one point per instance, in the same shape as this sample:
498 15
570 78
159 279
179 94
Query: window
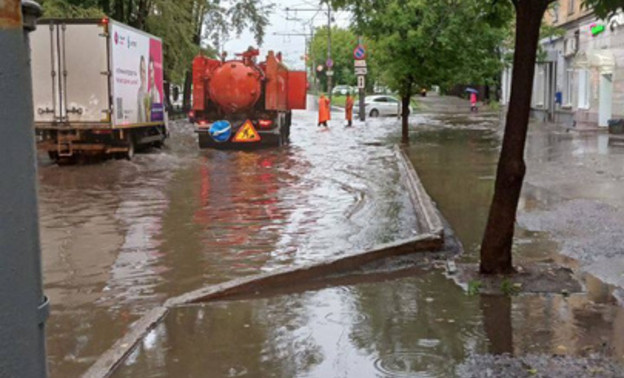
539 86
583 89
568 84
381 99
555 12
571 7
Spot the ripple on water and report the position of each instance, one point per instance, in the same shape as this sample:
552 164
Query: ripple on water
414 364
346 317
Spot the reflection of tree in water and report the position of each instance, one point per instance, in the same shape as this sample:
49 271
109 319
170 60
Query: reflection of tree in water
457 168
497 322
398 317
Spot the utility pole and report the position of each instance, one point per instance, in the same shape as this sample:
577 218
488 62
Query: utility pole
24 307
317 11
308 52
329 59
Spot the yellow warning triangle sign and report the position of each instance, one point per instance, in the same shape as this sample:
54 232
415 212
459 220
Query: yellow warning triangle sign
247 133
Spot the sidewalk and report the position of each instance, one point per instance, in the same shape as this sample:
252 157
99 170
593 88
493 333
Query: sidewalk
581 177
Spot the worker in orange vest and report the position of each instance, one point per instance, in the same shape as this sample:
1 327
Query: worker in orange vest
349 110
324 114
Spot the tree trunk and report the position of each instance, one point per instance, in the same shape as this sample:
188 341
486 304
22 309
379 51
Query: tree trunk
497 240
405 102
186 99
167 90
119 11
105 5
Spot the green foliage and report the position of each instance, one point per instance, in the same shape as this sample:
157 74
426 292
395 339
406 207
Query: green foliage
71 9
604 8
179 23
420 43
473 288
343 42
509 288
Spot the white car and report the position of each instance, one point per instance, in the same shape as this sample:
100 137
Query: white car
381 106
343 90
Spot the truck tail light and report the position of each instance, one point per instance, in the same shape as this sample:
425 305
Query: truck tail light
102 132
191 114
203 124
265 123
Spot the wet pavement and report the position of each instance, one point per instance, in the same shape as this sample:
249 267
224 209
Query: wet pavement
121 236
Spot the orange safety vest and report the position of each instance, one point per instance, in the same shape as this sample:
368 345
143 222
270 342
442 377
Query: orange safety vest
349 109
324 114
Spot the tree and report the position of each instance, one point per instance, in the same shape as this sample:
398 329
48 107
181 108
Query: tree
497 242
343 43
183 25
422 43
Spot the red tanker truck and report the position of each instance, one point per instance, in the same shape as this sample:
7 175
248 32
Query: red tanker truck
241 103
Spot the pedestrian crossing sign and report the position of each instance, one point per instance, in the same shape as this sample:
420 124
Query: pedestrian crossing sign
247 133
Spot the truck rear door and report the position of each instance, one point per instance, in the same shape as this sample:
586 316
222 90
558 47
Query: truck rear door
70 71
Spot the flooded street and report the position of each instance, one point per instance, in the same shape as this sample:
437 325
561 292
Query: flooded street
422 326
121 237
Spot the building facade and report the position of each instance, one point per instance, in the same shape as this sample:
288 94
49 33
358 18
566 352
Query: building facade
579 77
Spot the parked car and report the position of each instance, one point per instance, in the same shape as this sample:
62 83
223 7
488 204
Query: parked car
343 90
381 106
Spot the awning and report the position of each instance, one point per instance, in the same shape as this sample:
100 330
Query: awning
603 60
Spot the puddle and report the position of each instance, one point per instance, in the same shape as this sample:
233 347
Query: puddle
390 329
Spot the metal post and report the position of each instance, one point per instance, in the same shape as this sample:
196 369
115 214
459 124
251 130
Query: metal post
24 307
329 77
362 95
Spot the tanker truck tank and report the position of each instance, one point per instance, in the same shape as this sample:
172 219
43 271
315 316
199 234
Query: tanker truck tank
235 86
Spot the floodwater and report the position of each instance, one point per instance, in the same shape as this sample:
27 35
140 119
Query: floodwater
120 237
421 326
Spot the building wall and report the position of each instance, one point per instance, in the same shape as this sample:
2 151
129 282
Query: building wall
564 11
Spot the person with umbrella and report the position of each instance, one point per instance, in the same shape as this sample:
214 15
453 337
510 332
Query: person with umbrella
473 99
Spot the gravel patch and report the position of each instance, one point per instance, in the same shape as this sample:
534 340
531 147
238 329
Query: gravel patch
538 366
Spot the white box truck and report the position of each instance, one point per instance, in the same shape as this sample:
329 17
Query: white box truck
97 88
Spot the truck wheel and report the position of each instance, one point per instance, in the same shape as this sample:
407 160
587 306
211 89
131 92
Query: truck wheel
131 148
53 155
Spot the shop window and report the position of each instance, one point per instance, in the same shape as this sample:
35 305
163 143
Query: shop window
584 89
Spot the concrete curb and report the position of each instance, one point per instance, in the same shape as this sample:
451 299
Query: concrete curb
106 364
431 240
259 283
419 197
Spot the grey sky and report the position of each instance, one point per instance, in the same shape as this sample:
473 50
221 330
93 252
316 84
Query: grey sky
292 48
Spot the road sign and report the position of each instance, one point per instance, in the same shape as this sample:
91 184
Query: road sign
361 82
329 63
359 63
359 53
247 133
330 73
361 71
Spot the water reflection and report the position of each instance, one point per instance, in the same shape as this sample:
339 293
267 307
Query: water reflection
417 327
120 237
